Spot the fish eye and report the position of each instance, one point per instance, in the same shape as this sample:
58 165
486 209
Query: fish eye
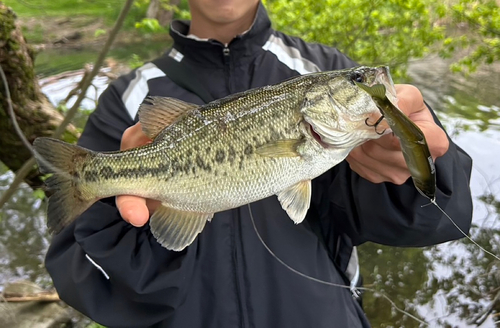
357 77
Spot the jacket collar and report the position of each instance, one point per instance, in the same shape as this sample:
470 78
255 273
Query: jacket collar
211 52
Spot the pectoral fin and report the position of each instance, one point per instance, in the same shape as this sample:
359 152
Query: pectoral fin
156 113
296 199
280 148
175 229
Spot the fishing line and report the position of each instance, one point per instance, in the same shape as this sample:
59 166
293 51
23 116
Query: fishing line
376 292
433 201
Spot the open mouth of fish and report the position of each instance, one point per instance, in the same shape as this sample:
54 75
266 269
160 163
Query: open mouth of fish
316 136
383 76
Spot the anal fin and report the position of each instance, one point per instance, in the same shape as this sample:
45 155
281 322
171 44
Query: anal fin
175 229
296 199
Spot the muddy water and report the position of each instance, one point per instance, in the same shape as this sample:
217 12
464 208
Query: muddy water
451 284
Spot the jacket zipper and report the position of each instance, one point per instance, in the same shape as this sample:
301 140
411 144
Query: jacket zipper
234 233
226 54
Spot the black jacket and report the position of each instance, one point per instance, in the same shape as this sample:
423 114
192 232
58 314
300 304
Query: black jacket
120 276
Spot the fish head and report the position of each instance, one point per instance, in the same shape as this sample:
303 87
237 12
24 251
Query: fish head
339 113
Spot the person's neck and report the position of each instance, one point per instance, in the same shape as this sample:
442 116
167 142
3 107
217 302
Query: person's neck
223 33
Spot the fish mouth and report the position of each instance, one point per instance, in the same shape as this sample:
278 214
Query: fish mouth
329 138
315 135
383 76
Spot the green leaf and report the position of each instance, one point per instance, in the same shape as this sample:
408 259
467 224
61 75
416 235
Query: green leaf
99 32
135 61
38 194
46 176
149 25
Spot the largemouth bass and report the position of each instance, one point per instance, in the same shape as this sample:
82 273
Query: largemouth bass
204 159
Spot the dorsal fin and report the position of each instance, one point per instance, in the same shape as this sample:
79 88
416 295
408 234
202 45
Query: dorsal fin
156 113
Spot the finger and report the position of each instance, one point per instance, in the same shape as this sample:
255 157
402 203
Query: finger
374 153
387 142
364 171
412 104
410 99
134 137
393 175
436 138
133 209
377 164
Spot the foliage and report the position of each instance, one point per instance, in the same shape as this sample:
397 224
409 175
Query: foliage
149 25
370 32
395 31
99 32
135 61
105 9
182 11
477 30
39 194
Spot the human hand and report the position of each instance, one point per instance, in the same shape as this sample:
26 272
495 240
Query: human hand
382 160
133 209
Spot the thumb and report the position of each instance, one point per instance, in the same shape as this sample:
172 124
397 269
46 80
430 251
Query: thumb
133 209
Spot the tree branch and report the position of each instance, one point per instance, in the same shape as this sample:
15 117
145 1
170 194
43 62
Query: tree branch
37 297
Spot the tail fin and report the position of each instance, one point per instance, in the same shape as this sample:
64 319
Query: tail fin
62 160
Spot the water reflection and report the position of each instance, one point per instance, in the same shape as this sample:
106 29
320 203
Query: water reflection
23 237
401 274
471 98
451 285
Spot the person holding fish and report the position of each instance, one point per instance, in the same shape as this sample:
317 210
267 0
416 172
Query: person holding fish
233 114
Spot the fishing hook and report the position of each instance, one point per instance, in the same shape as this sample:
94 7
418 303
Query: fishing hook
376 125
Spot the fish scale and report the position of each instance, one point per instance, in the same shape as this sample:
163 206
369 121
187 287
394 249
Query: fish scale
267 141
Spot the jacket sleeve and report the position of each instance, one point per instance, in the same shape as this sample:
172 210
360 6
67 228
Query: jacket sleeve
398 215
104 267
115 273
